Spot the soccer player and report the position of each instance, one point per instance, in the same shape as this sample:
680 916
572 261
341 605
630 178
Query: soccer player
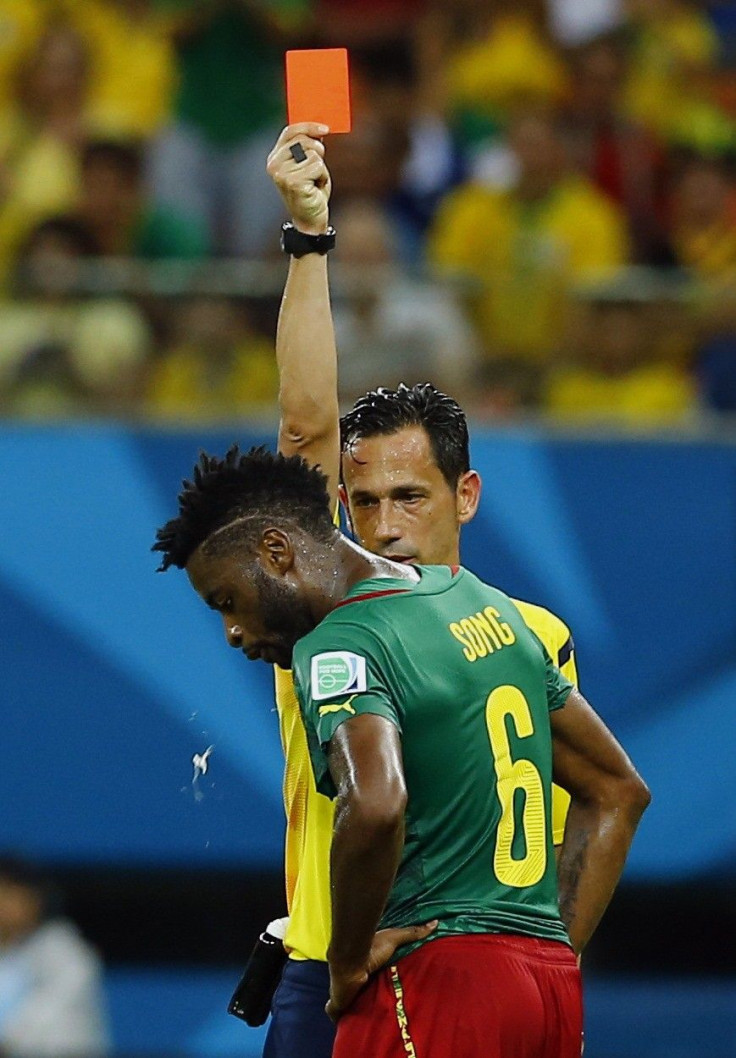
436 718
409 490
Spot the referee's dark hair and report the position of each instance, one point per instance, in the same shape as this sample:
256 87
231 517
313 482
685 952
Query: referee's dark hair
385 411
244 491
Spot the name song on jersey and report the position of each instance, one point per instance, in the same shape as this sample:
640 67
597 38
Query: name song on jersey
482 633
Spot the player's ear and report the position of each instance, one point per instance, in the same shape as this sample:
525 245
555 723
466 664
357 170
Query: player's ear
467 496
276 551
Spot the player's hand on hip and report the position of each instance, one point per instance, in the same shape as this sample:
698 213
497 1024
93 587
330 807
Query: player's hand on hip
387 941
297 167
344 987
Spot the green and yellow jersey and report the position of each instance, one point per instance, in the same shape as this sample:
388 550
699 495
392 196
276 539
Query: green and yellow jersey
452 664
310 815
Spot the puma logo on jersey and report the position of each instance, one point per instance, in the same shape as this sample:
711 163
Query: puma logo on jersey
325 709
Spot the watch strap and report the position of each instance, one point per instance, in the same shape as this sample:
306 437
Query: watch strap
298 243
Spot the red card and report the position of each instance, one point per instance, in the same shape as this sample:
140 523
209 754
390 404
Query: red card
318 88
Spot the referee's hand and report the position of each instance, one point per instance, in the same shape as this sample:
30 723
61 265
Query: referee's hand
345 985
304 185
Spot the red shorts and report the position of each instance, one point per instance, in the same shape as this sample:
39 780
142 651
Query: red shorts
471 996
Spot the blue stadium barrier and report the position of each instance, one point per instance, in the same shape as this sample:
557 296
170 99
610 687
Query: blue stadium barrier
114 677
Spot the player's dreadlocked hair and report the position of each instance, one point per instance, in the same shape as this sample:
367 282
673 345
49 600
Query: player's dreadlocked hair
258 486
385 411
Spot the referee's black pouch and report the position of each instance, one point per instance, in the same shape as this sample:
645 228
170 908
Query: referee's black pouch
251 1000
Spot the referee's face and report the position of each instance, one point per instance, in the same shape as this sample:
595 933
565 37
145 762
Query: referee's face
400 504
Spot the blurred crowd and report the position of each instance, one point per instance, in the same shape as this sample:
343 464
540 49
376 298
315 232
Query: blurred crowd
536 207
51 980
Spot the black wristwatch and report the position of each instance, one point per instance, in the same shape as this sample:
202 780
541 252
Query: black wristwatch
298 243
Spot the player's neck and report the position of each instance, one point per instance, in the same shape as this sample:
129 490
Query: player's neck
367 565
349 564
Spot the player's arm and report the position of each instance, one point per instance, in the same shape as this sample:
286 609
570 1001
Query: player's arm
305 338
365 763
608 798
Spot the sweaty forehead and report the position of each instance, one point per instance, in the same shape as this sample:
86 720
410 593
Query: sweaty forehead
208 571
390 460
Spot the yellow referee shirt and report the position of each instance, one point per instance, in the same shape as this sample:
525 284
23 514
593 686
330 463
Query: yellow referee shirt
309 815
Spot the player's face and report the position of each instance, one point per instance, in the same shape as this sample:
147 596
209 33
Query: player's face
400 505
263 614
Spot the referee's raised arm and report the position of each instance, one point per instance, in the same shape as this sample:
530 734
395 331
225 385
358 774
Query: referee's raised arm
608 798
305 338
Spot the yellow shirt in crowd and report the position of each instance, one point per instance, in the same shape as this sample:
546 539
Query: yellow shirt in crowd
21 24
524 257
651 395
512 61
133 67
670 51
191 384
42 179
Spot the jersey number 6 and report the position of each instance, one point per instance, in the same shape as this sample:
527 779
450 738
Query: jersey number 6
513 775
